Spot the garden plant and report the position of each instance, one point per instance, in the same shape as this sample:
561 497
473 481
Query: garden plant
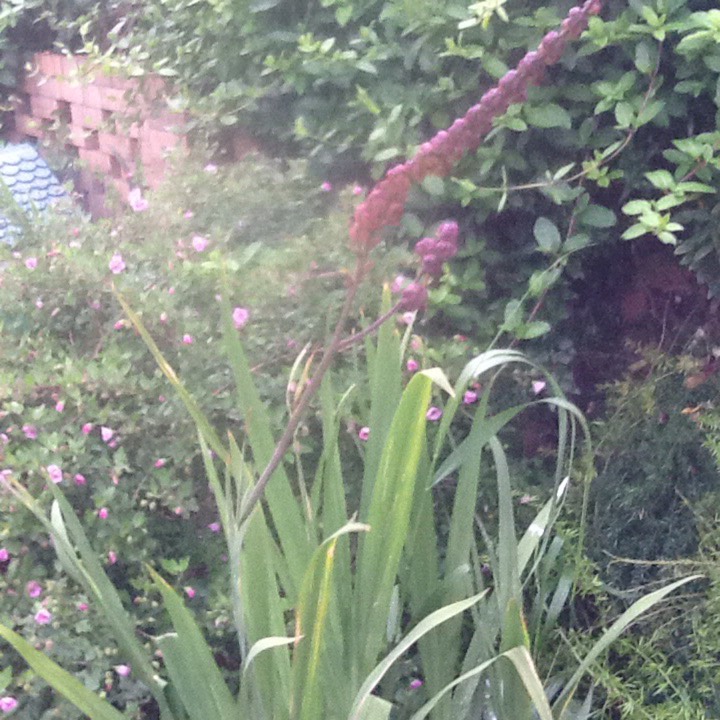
328 592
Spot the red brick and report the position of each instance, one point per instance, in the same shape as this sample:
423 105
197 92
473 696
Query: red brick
70 90
156 145
167 121
43 107
88 117
114 144
113 99
95 160
28 125
91 96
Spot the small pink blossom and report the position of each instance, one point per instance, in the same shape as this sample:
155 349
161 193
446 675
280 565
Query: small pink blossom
122 670
8 704
160 462
112 557
188 214
136 200
119 325
30 432
326 186
358 190
412 365
240 317
4 439
416 684
178 510
43 616
103 513
200 243
188 339
214 527
113 444
538 386
33 589
4 555
80 479
470 397
163 317
434 414
190 592
116 264
171 291
83 606
55 474
60 406
106 433
87 428
364 434
211 169
407 319
31 263
39 304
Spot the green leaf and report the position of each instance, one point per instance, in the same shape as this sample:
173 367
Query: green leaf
661 179
624 114
61 680
636 207
547 235
549 115
343 15
433 185
597 216
532 330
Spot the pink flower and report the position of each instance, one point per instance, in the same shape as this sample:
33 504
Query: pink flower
119 325
470 397
122 670
538 386
160 462
414 297
39 304
30 432
171 291
188 339
113 444
136 200
8 704
200 243
80 479
112 557
416 684
103 513
358 190
43 616
4 555
55 474
178 511
240 317
33 589
163 317
31 263
412 365
326 186
214 527
106 433
211 169
188 214
364 434
83 606
434 414
60 405
87 428
116 264
190 592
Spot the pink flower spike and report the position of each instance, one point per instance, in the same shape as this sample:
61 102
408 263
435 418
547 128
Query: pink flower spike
136 200
30 432
188 214
43 616
122 670
103 513
240 317
470 397
112 557
4 555
60 406
434 414
364 434
80 479
33 589
116 264
55 474
87 428
160 462
326 186
190 592
214 527
188 339
538 386
200 243
412 365
8 704
31 263
83 607
106 433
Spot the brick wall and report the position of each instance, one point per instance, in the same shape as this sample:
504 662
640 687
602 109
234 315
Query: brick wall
119 129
